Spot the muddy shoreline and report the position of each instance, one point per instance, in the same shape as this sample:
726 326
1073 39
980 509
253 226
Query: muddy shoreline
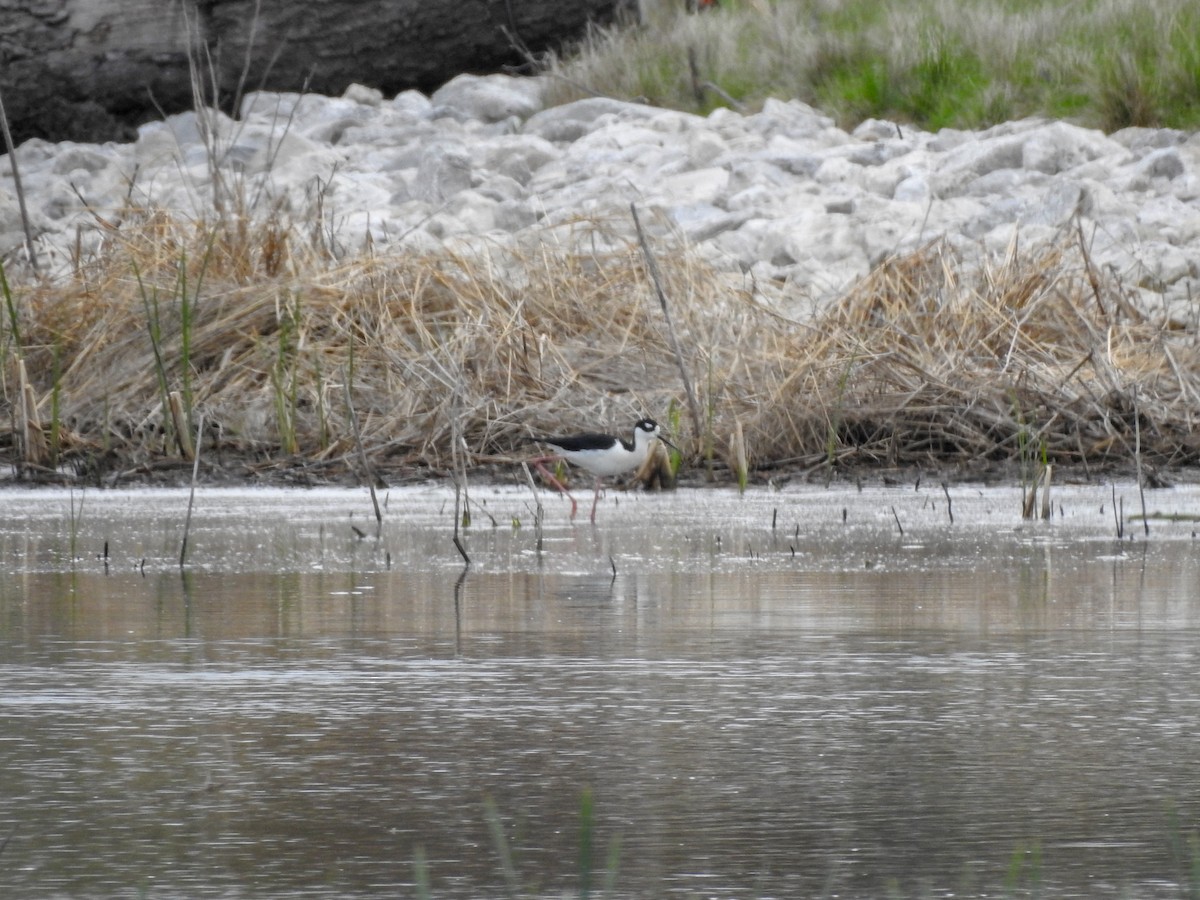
175 473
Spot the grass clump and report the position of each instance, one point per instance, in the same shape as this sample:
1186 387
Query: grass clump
935 63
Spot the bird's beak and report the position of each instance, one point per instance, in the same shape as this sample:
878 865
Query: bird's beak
668 443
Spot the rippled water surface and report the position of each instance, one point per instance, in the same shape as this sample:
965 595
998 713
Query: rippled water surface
799 693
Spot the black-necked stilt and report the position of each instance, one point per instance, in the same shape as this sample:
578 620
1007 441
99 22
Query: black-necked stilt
601 454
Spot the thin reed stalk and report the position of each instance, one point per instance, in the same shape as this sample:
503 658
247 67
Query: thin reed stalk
187 522
11 150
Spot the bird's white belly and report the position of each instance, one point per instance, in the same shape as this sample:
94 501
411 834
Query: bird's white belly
605 464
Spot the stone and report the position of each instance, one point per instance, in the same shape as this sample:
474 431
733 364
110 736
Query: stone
490 98
1060 147
571 121
445 170
360 93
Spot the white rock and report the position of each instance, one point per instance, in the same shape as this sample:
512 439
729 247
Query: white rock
1141 140
913 189
1169 219
1055 206
444 170
72 157
876 130
704 146
518 156
792 119
702 186
572 121
703 222
968 161
490 98
512 216
412 103
1058 147
1165 163
837 171
360 93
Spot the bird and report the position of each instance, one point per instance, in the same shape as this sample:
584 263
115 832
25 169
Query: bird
601 454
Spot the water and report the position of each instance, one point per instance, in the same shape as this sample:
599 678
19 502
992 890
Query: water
780 695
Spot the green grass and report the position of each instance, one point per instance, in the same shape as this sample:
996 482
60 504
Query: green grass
13 337
936 63
154 329
284 377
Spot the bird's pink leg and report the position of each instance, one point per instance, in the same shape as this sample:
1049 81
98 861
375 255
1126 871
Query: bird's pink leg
595 500
559 486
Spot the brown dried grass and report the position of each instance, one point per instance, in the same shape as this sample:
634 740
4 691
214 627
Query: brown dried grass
924 362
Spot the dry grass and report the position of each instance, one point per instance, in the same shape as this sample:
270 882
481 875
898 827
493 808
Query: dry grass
925 362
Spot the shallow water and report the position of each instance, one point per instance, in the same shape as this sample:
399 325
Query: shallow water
825 707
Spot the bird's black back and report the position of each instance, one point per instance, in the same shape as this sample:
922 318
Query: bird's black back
588 441
594 440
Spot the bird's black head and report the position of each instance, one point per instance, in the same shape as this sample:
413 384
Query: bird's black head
652 429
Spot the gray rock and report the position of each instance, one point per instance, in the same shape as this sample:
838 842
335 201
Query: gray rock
1056 206
1164 163
360 93
1141 140
518 156
490 98
913 189
412 103
444 170
876 130
968 161
571 121
1059 147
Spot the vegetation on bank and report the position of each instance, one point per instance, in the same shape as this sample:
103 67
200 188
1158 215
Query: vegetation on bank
965 64
290 362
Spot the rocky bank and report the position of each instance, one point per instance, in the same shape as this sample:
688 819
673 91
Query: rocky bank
782 196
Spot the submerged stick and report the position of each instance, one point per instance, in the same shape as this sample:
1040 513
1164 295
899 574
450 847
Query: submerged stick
949 503
460 491
537 504
652 268
462 551
1118 516
897 518
362 456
